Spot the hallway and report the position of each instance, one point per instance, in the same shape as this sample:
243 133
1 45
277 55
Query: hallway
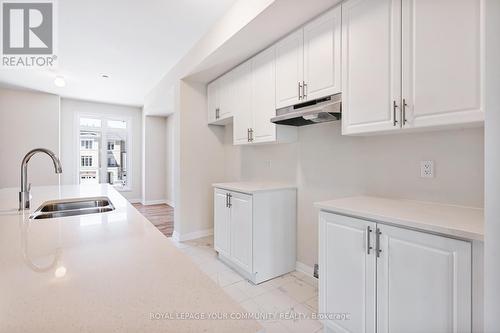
162 216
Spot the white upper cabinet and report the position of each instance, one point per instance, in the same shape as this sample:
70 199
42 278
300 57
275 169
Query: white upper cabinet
263 97
255 82
442 58
411 64
221 99
322 52
371 65
308 61
400 64
255 93
289 69
243 115
227 97
212 101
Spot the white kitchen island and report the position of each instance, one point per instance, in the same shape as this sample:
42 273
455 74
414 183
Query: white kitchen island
107 272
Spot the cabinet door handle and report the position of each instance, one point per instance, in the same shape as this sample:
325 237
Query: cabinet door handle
394 110
403 117
248 134
378 250
227 200
229 204
368 242
304 90
251 134
300 91
217 115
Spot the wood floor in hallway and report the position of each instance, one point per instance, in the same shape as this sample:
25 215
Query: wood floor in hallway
162 216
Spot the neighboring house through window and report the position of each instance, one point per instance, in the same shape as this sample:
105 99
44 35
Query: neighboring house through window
98 132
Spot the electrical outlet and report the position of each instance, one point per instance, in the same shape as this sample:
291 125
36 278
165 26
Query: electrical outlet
427 169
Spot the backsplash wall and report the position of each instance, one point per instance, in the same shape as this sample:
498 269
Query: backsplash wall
326 165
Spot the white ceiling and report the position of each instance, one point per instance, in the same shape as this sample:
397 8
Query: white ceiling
134 42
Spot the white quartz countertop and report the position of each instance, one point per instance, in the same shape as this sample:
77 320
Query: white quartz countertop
254 187
457 221
104 272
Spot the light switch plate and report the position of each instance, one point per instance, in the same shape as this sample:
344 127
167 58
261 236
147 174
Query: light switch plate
427 169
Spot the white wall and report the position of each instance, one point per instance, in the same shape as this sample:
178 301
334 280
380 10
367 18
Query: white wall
70 109
239 15
201 162
392 166
326 165
28 120
169 160
492 164
154 160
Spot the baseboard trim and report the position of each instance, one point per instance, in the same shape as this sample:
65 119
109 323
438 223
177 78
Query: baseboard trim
303 268
134 201
191 235
154 202
170 203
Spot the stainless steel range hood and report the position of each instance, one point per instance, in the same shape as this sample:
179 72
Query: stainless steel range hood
311 112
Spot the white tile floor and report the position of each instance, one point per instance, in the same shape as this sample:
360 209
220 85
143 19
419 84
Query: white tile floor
294 294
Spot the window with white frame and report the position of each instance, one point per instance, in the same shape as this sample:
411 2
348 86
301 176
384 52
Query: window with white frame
104 139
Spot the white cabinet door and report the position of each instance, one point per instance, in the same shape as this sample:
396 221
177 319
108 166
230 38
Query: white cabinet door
347 273
423 283
371 65
226 95
289 69
322 66
263 96
241 230
213 101
443 60
221 223
243 117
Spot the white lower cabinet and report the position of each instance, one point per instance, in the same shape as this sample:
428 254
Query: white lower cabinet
380 278
221 215
347 273
423 282
255 233
240 229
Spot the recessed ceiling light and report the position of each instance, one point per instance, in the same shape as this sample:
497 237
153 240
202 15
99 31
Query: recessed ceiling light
104 76
59 81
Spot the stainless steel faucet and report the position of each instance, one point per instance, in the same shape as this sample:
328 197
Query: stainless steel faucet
24 195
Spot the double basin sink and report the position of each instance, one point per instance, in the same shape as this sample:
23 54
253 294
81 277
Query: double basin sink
72 207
